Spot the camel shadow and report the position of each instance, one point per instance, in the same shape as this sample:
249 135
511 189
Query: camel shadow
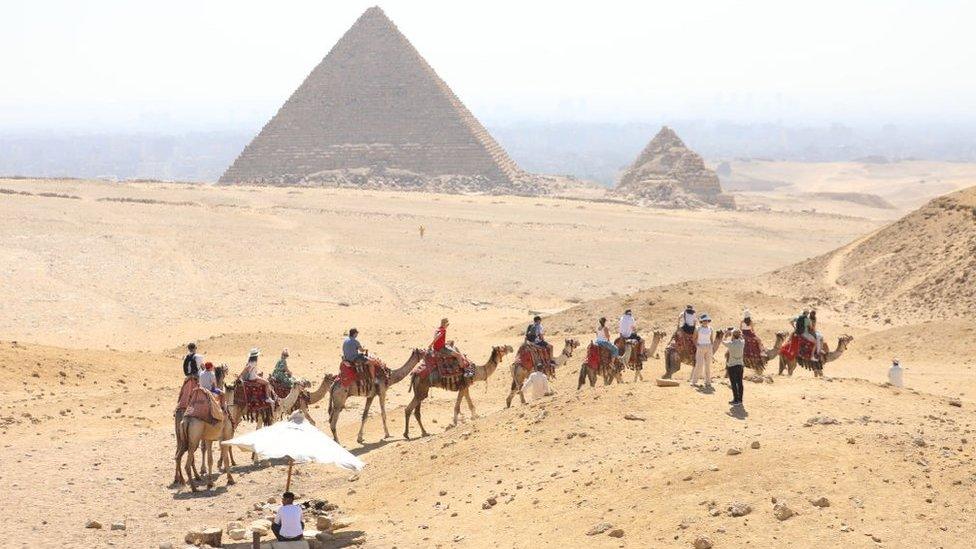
370 446
203 493
737 412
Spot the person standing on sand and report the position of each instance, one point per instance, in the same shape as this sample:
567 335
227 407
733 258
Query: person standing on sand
734 365
422 231
703 352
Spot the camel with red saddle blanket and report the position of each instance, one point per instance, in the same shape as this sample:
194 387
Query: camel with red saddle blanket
639 352
799 350
443 372
599 362
755 355
361 382
528 357
681 350
204 420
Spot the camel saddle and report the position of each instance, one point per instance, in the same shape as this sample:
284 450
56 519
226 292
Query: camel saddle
597 356
801 348
443 366
638 356
205 406
189 384
363 373
252 397
282 391
684 344
530 355
754 354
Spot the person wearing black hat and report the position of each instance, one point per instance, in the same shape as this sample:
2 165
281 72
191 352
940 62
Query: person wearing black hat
190 362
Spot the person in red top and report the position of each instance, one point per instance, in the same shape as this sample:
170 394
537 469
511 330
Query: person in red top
440 344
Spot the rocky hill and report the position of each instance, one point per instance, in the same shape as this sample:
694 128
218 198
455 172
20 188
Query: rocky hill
918 268
667 173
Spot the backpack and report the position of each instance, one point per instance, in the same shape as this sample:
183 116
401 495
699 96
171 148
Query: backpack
530 333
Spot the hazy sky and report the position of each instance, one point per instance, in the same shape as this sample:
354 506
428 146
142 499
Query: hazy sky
123 65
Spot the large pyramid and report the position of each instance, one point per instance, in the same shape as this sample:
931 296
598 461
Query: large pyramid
668 173
373 113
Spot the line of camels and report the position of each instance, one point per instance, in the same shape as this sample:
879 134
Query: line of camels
193 433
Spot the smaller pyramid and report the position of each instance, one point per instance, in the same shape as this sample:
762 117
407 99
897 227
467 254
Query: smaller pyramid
668 173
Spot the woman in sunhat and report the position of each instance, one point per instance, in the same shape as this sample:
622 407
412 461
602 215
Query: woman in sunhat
703 351
250 373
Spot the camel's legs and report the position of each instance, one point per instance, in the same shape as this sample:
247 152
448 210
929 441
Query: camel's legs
188 467
406 416
467 396
416 413
307 414
224 451
208 452
178 479
582 377
362 424
457 406
386 431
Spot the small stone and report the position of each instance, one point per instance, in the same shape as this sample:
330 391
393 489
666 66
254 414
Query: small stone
237 534
755 445
261 527
733 452
850 440
955 402
632 417
920 442
782 512
616 533
876 539
739 509
489 503
205 536
93 524
166 545
599 528
820 502
338 523
702 542
117 526
323 523
164 514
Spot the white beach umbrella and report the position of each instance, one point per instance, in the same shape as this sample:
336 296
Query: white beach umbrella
300 442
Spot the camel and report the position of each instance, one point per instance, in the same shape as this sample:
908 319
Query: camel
611 370
519 374
195 433
420 385
759 366
636 362
815 365
260 419
674 358
338 395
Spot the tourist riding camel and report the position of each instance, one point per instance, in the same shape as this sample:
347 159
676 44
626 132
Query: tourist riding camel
603 358
756 355
442 346
683 347
346 385
205 420
250 375
637 352
423 378
807 348
535 335
192 364
527 363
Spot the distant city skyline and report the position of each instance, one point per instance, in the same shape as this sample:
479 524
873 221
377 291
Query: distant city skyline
113 66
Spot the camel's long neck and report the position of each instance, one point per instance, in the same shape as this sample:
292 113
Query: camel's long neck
835 354
484 372
323 389
403 371
563 356
774 351
655 342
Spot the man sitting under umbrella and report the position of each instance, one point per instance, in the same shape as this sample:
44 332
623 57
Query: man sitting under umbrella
287 524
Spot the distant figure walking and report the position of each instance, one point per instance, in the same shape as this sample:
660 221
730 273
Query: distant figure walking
422 231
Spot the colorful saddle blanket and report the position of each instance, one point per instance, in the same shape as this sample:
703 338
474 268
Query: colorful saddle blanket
205 406
754 350
282 391
189 384
683 343
363 373
637 356
252 396
798 347
597 356
530 354
444 366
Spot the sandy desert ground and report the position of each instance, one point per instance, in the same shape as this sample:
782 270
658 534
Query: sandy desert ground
101 291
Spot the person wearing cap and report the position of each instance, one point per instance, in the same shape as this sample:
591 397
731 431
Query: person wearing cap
703 351
281 374
735 364
250 373
441 345
192 361
603 338
628 326
687 320
208 379
352 349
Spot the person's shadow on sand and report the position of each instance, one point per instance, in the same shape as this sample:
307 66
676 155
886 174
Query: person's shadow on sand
705 389
737 412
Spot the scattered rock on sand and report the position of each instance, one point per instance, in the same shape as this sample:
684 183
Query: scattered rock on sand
821 420
755 445
93 524
166 545
323 523
118 526
633 417
208 536
489 503
955 402
599 528
782 512
702 542
820 502
616 533
733 452
739 509
260 526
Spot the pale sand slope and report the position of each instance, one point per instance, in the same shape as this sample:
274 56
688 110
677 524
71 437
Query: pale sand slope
906 185
86 273
97 448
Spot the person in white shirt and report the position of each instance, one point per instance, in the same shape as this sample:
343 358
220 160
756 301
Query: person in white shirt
628 326
208 379
703 351
603 338
686 322
537 384
287 524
